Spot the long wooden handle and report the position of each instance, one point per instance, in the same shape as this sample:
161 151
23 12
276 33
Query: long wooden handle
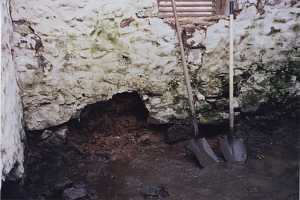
185 69
184 66
231 74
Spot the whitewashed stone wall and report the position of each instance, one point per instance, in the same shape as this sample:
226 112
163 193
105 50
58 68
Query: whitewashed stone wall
11 109
266 54
71 53
266 45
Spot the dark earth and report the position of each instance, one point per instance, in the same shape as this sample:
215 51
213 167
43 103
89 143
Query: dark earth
114 152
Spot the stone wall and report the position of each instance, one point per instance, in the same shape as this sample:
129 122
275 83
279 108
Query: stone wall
266 55
11 160
72 53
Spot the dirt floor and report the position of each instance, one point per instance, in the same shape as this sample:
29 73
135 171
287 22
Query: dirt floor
115 155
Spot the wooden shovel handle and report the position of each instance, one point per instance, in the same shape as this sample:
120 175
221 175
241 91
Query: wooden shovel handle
185 69
231 74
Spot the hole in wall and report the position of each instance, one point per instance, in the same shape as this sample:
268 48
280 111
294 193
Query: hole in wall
105 116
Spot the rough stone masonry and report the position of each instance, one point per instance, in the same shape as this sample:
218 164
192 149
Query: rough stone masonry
73 53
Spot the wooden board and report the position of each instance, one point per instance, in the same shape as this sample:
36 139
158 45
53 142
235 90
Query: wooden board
187 8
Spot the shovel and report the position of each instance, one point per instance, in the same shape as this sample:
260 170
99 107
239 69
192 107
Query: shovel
199 147
233 148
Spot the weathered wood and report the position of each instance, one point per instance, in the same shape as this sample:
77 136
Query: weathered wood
187 4
221 6
187 10
231 74
185 0
164 15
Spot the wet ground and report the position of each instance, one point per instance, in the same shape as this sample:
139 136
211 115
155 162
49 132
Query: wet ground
115 155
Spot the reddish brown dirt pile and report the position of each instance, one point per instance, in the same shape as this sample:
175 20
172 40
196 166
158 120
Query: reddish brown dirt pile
122 139
116 127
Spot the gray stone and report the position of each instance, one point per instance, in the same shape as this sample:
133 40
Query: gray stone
74 193
154 191
46 134
62 132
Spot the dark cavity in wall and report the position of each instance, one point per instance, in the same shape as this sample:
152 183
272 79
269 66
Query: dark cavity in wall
104 112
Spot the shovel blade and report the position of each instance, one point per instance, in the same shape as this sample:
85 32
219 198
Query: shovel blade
203 152
233 150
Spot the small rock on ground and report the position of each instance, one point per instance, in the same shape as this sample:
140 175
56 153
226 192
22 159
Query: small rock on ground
74 193
153 191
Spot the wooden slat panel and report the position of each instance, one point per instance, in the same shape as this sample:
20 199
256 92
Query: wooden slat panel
186 0
188 4
164 15
188 9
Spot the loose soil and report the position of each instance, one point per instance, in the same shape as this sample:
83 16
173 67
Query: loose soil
114 155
